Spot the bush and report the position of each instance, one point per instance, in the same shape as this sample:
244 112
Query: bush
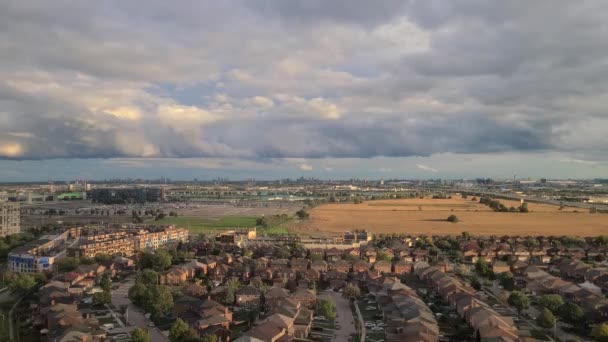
302 214
546 319
518 300
600 333
327 308
453 218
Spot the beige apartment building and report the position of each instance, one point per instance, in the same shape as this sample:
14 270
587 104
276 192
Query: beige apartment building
10 218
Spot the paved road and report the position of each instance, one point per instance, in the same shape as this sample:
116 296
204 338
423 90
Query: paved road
345 318
135 316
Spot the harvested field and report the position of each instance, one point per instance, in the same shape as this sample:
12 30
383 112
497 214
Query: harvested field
428 216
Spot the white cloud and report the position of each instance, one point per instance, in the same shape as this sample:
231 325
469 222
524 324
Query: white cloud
305 167
262 101
426 168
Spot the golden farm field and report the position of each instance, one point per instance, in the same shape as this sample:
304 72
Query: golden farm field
428 216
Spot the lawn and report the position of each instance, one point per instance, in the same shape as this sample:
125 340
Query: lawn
107 320
238 330
198 225
201 225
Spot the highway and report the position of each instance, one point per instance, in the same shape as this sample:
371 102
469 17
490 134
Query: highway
496 194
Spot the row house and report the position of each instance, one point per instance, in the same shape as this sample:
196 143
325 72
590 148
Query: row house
487 323
248 296
407 317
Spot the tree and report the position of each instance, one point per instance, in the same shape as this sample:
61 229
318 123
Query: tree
67 264
302 214
147 277
208 338
352 292
507 281
601 240
180 331
162 260
552 302
327 308
105 283
102 298
518 300
283 252
313 286
247 252
483 268
476 284
102 258
384 257
600 333
138 293
86 261
546 319
22 284
466 235
140 335
453 219
571 313
159 300
462 270
261 221
523 208
232 286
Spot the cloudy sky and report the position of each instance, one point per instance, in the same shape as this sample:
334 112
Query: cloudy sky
333 89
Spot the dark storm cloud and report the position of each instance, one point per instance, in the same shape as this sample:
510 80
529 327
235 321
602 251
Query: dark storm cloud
358 12
392 136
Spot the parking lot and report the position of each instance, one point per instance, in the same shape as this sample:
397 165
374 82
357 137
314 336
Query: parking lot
372 317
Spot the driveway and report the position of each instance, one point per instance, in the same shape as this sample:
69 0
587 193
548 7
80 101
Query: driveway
344 319
135 315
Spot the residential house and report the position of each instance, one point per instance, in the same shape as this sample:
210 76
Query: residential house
248 296
382 267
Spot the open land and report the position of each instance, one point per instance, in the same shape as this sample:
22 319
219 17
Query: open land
428 216
196 217
221 217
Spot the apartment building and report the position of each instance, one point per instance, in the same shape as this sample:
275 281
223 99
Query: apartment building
37 256
126 242
112 244
154 239
10 218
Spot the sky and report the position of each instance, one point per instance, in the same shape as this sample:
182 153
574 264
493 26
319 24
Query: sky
330 89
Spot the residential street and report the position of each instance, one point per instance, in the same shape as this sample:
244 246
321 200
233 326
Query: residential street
135 316
345 318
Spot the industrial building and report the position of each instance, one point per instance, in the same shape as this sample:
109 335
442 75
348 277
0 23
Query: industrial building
127 195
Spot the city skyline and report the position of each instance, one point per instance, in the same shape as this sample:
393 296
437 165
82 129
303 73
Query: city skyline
272 89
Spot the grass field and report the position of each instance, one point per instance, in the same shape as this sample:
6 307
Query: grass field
203 225
428 216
